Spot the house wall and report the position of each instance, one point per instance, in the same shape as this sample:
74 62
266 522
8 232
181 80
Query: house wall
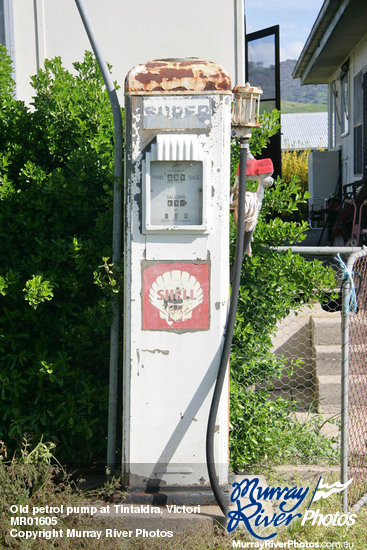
128 33
337 140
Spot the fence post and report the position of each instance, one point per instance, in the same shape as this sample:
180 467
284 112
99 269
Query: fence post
346 289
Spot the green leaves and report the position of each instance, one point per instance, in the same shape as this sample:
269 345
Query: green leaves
283 198
3 285
37 291
269 126
269 430
56 180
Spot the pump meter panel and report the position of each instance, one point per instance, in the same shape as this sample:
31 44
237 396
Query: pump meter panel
175 186
176 193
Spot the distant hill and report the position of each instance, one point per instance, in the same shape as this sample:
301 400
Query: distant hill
294 107
291 89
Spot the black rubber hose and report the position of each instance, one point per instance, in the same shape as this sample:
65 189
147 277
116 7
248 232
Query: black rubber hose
236 279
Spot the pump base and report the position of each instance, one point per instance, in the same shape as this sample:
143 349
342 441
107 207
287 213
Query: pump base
187 496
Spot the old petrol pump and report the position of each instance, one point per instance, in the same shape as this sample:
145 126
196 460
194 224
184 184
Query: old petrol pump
178 118
177 333
178 330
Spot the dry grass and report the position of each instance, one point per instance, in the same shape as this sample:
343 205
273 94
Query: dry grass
33 479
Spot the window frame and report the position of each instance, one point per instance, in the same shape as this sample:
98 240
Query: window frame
344 100
8 29
358 124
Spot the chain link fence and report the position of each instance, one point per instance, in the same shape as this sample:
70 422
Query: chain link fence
310 339
297 417
354 381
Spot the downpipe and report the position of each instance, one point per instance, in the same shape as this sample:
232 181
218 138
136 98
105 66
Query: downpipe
116 237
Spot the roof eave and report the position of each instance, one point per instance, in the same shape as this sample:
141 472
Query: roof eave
311 39
338 28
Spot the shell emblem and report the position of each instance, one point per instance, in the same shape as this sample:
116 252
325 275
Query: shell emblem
176 294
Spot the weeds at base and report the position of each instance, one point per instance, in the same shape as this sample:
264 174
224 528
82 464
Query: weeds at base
33 478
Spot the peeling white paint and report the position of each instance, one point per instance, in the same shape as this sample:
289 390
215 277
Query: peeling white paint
166 406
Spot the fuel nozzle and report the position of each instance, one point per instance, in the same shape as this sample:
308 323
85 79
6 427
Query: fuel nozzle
256 170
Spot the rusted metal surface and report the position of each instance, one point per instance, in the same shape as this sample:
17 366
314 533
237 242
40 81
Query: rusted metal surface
189 75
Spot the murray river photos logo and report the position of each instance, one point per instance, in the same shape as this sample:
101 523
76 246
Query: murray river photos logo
248 498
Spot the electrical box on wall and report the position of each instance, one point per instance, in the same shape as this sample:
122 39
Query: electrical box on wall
323 173
178 122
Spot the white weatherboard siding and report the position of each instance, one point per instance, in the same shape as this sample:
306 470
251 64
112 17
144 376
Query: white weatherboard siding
345 142
128 32
336 53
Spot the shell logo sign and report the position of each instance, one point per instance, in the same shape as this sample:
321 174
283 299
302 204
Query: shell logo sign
176 296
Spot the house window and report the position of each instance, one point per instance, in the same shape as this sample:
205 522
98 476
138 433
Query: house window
6 25
364 123
334 119
357 125
344 87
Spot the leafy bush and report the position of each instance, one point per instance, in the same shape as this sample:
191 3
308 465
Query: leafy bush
295 166
272 285
268 430
56 171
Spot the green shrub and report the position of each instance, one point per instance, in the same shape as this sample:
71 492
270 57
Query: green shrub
56 174
267 429
272 285
295 166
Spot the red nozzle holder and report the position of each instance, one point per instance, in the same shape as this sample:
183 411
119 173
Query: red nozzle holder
256 167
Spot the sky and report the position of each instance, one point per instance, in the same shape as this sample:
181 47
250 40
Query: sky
295 17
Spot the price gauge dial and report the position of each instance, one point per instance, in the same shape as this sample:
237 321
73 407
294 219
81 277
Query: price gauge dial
176 193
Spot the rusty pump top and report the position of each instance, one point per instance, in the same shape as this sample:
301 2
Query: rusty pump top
181 76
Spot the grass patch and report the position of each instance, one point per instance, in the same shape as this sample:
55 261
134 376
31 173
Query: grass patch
294 107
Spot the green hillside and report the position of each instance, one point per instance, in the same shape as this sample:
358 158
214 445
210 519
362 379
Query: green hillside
292 91
294 107
294 97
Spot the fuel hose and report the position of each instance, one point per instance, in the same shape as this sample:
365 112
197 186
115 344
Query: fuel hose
241 248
